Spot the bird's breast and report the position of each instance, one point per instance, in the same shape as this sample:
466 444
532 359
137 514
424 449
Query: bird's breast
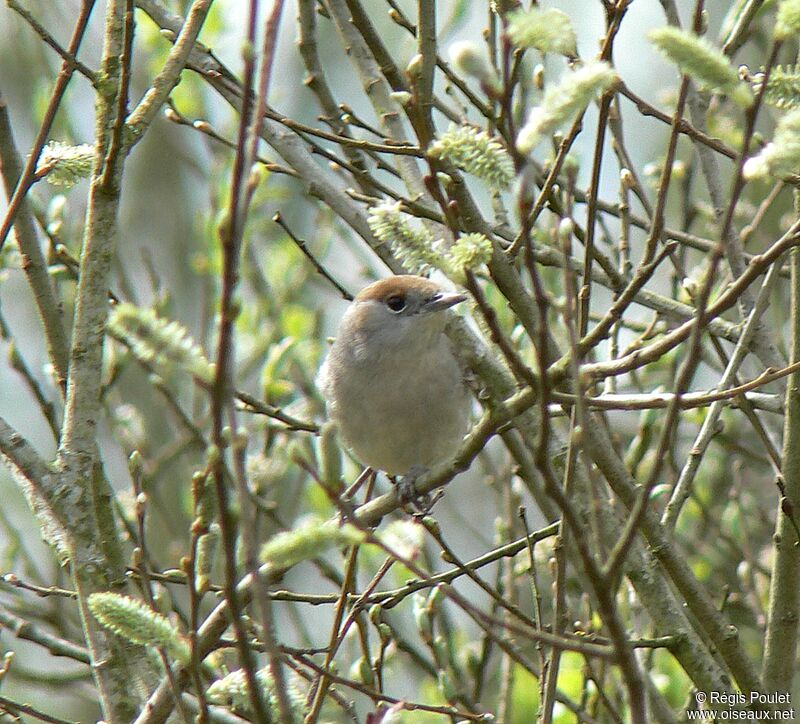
402 410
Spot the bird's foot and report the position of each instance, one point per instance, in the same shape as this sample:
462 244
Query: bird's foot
407 493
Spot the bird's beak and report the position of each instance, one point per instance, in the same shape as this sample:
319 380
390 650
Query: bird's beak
445 300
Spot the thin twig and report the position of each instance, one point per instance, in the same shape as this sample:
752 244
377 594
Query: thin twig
303 246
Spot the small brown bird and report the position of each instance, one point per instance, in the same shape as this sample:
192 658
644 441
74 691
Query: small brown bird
391 380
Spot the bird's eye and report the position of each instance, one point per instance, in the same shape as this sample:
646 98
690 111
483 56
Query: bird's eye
396 303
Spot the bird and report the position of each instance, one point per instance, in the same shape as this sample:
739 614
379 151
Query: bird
391 380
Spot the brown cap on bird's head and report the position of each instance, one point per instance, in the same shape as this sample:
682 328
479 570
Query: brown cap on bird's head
395 292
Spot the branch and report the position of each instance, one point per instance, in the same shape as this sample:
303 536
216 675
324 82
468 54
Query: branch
35 265
723 636
57 646
92 538
27 178
683 486
780 638
38 482
142 116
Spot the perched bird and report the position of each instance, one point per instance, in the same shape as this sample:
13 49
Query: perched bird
391 380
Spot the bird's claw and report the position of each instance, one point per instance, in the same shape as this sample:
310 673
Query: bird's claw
407 492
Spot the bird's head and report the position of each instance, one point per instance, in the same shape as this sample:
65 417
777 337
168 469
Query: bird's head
401 311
